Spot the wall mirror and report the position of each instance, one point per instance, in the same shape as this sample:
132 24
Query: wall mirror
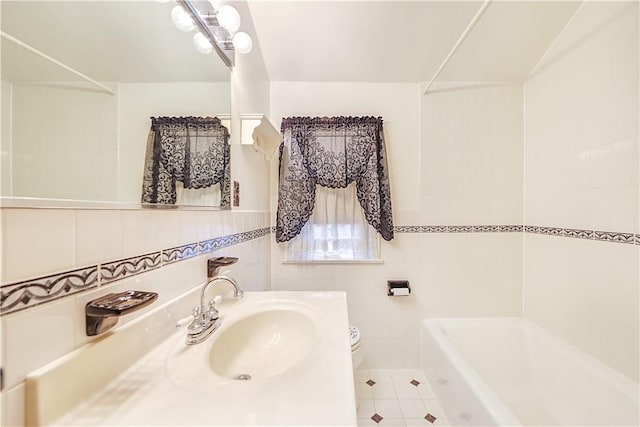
80 83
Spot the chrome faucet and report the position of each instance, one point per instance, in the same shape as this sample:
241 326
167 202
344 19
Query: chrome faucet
206 319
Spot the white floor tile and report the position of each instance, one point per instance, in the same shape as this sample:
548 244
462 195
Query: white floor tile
361 375
396 400
407 391
388 408
412 408
425 391
441 422
415 422
392 422
380 375
363 391
366 408
433 407
384 391
402 375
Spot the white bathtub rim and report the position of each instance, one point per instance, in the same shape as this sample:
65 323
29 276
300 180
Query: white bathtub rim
621 381
486 394
496 407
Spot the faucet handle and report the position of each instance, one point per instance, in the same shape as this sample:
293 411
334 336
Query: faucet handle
194 317
213 313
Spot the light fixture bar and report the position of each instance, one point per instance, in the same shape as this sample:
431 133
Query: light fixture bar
204 29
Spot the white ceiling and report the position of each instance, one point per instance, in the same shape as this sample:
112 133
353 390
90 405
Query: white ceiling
404 41
110 41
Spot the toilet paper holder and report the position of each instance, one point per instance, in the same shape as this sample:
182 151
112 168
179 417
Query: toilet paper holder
397 288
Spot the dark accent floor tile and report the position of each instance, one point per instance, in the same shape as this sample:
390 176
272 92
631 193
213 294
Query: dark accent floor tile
414 382
430 418
377 418
371 382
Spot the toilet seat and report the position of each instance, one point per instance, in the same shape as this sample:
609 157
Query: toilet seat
356 352
354 334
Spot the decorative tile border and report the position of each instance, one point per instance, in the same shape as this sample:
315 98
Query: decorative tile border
603 236
29 293
614 237
180 253
120 269
458 228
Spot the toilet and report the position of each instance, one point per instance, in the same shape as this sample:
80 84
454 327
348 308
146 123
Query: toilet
356 351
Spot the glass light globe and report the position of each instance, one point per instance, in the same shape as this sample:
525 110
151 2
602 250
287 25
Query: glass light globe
181 19
242 42
229 18
202 44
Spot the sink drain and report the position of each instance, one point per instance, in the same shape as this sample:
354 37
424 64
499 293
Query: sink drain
242 377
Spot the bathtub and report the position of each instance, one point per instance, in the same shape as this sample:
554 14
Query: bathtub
510 372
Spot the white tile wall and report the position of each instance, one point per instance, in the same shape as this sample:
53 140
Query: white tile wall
455 158
36 242
451 275
587 293
582 171
472 154
55 129
582 124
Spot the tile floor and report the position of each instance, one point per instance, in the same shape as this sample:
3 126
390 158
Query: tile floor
396 397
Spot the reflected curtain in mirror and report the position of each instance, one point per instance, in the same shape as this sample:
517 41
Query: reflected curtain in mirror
332 152
192 150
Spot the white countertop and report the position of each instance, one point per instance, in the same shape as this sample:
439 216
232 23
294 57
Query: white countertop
173 384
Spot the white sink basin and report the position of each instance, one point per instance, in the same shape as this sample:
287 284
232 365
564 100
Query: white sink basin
257 340
263 344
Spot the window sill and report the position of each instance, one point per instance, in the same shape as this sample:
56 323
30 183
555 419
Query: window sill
334 261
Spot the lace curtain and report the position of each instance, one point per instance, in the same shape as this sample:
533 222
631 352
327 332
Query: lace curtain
191 150
332 153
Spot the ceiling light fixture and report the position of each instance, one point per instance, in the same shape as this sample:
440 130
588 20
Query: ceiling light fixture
181 19
242 42
202 44
217 27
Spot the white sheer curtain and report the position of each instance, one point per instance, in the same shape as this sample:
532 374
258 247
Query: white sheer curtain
210 196
337 230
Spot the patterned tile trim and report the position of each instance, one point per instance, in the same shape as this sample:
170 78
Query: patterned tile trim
578 234
180 253
614 237
120 269
29 293
232 239
603 236
458 228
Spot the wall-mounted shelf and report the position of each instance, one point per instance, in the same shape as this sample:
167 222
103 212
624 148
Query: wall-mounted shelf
259 132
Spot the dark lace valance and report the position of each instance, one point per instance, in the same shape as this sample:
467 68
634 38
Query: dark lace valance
191 150
332 152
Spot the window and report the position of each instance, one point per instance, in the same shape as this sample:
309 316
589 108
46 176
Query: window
336 231
334 193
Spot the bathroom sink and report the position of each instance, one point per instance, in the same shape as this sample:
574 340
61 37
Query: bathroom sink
263 344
